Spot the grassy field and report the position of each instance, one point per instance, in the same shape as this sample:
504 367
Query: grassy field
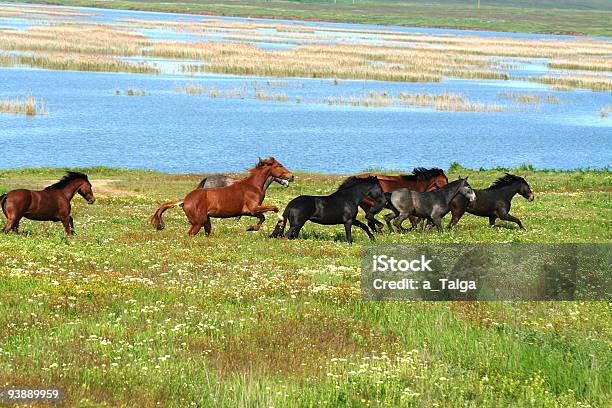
122 315
585 17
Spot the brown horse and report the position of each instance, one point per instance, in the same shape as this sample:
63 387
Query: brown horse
50 204
421 180
243 197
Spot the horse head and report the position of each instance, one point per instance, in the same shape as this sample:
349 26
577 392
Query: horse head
525 190
86 192
437 182
466 190
277 170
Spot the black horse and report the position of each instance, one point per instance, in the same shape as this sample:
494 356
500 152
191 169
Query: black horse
432 205
339 207
493 202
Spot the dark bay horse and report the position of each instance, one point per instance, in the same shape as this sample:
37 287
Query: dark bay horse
339 207
420 180
493 202
431 205
244 197
50 204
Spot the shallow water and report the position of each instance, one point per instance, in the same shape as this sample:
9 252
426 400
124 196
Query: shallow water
88 124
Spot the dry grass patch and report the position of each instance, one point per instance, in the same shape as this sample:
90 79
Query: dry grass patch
441 102
599 83
423 58
529 98
583 63
82 62
295 346
27 105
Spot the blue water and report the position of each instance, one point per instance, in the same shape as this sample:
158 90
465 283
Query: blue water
87 124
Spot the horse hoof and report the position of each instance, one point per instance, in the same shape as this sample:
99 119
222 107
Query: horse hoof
253 229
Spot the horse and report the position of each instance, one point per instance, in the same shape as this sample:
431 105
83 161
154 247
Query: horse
421 180
243 197
50 204
432 205
339 207
493 202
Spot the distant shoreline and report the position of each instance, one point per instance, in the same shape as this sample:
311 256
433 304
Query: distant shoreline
320 18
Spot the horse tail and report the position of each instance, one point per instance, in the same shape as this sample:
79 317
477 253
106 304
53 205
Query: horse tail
2 200
156 219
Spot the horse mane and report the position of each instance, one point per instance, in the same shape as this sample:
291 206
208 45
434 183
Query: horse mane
423 174
352 181
506 180
69 177
263 162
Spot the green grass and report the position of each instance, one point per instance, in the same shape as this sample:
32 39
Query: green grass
587 17
122 315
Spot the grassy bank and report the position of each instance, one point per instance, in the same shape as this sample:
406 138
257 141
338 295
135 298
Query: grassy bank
122 315
585 17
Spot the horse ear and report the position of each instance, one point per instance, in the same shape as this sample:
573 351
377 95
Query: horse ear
466 177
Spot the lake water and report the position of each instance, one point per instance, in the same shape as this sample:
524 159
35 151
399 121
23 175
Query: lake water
87 124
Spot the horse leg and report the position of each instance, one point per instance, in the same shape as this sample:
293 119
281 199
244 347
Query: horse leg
67 226
294 230
261 219
437 221
366 209
11 224
456 216
347 229
398 222
279 229
492 220
414 222
195 228
370 216
13 216
388 218
507 217
363 227
207 227
263 209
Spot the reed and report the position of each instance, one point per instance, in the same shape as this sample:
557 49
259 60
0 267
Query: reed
441 102
27 105
274 96
599 83
80 62
213 92
586 64
526 98
190 89
421 58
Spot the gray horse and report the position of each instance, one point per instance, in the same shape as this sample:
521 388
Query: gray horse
221 180
432 205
